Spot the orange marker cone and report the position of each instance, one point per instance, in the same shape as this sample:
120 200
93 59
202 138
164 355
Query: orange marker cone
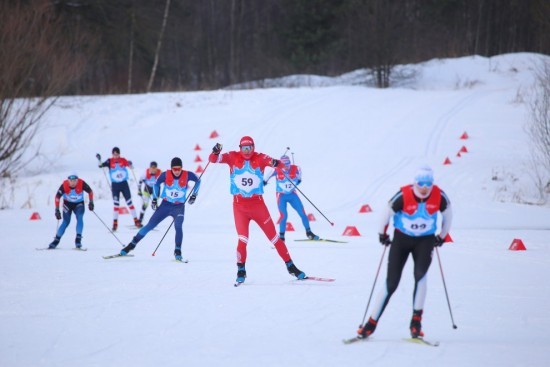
214 134
35 216
289 227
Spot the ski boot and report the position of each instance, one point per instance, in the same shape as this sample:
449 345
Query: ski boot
137 222
282 236
241 273
293 270
368 329
54 244
127 249
416 326
177 254
78 241
311 235
115 225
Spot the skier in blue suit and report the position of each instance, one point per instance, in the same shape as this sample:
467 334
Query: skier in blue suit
173 197
288 177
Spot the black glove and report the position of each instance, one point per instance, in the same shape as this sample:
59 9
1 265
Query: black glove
192 199
439 241
384 239
275 162
57 214
154 204
140 193
98 157
265 183
91 206
217 149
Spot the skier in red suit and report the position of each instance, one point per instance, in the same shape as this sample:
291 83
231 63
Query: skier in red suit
246 177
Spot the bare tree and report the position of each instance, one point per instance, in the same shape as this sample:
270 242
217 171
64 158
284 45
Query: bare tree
159 44
37 64
539 128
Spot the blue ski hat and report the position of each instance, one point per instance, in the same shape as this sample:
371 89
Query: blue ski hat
285 160
424 174
73 175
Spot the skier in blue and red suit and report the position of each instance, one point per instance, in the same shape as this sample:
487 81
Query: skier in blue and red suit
118 172
173 195
288 176
246 176
414 210
72 191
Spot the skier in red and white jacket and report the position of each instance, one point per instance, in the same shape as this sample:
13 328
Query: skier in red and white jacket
415 209
246 177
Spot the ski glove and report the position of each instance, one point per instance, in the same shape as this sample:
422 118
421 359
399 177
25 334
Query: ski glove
217 149
98 157
275 162
192 199
91 206
265 183
384 239
439 241
57 214
154 204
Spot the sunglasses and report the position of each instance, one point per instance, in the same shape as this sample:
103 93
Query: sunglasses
73 177
425 183
247 148
176 169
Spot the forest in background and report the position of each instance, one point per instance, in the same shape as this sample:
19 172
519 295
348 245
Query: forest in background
135 46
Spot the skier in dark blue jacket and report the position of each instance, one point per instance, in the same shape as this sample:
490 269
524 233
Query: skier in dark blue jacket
173 195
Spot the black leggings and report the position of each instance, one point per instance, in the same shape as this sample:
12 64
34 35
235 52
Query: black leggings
402 245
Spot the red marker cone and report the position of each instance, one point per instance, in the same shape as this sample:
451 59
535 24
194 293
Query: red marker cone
351 231
517 245
365 209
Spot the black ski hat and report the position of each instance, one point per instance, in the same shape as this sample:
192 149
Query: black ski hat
116 150
153 164
176 162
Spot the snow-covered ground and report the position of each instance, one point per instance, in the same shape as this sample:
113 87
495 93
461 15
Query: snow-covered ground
356 147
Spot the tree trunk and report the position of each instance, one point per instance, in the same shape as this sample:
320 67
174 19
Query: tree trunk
159 44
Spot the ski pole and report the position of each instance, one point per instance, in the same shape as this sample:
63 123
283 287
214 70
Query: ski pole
304 195
373 286
286 151
292 157
445 287
173 220
109 229
104 174
135 179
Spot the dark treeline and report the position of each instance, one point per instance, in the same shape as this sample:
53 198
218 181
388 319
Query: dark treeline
208 44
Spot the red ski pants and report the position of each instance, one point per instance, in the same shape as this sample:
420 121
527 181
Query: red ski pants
254 209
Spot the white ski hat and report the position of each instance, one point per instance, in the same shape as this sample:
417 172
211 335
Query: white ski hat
423 174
